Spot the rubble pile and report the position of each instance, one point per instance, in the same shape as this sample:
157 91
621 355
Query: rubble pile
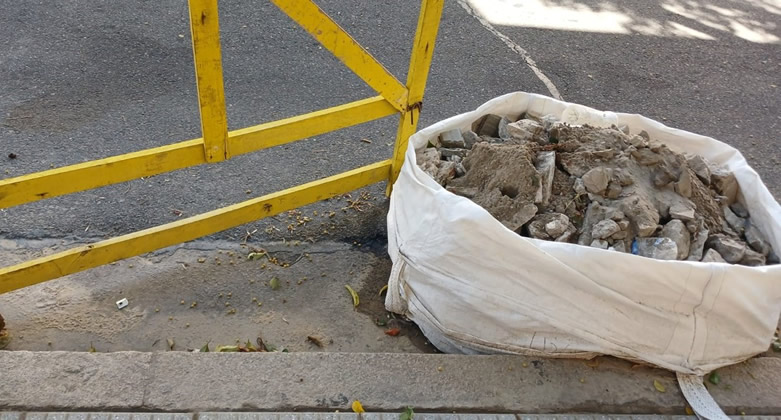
599 187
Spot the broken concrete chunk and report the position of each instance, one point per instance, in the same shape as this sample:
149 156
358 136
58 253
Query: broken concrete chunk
712 256
662 176
502 129
568 234
599 243
730 249
676 230
725 184
642 213
605 229
548 121
613 190
527 131
772 258
756 240
620 246
579 187
429 155
698 245
657 248
488 125
753 258
684 184
682 211
548 225
546 167
736 223
739 209
646 157
460 170
623 224
596 180
446 172
452 139
470 139
557 227
622 177
446 153
699 165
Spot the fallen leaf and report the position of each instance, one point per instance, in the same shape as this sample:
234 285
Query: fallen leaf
357 407
226 349
205 348
408 414
689 411
366 141
92 348
171 343
250 347
714 378
593 363
274 283
257 255
393 332
354 294
319 343
382 322
659 387
261 344
201 260
384 289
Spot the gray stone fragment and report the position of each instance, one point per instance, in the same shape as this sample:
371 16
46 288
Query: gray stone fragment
739 209
772 257
605 229
725 184
684 184
620 246
468 192
579 187
548 121
599 243
502 129
470 139
731 250
621 234
428 155
644 134
568 234
676 230
638 141
460 170
711 256
663 176
596 180
615 215
445 152
622 177
527 131
452 139
756 240
546 167
446 172
455 158
623 224
699 165
682 211
613 190
657 248
736 223
698 245
488 125
753 258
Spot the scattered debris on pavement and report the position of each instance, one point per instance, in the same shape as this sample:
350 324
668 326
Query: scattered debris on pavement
598 187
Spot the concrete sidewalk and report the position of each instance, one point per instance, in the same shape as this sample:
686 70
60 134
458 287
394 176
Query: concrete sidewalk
324 382
331 416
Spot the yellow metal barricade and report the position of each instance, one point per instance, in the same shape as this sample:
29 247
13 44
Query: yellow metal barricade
218 144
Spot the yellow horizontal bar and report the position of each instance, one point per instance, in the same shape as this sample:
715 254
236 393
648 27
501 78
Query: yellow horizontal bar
314 123
121 168
88 256
346 49
99 173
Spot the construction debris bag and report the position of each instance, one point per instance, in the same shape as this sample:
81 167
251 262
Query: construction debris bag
474 286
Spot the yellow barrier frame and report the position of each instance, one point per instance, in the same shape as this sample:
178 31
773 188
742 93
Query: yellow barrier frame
218 144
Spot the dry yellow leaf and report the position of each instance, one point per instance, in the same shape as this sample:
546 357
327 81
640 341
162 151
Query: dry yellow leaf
659 387
354 294
357 407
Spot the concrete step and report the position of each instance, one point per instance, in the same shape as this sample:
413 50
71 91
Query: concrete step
16 415
324 382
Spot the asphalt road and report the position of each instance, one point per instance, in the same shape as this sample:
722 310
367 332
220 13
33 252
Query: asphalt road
84 80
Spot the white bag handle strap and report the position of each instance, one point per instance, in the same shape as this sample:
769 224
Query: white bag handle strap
394 301
699 398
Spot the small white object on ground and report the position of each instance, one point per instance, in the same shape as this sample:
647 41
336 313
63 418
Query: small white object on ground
122 303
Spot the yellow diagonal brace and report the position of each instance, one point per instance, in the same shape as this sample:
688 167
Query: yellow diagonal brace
346 49
205 28
84 257
420 62
314 123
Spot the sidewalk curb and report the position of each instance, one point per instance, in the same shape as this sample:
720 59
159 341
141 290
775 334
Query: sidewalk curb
278 382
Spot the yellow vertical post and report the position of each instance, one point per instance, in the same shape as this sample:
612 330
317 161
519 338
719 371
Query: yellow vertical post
205 28
420 62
